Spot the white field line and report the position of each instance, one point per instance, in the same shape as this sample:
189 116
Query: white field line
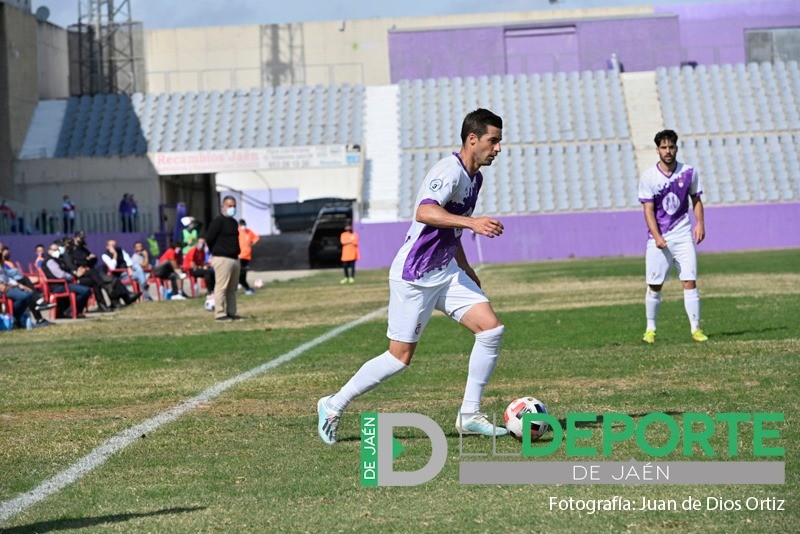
98 456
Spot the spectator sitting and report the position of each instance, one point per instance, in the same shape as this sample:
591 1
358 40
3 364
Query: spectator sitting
55 268
167 269
194 263
141 257
108 289
116 258
21 299
12 272
25 296
40 255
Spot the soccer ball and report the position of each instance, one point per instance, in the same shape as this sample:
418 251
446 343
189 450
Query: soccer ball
210 305
258 283
513 417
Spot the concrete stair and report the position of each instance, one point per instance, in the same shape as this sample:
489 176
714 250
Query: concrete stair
644 115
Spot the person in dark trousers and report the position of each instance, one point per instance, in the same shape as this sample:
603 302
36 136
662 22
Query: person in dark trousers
247 238
223 241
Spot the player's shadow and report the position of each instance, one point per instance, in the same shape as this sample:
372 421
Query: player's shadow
736 333
74 523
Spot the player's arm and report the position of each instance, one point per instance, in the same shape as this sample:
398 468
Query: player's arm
434 215
652 224
461 260
699 231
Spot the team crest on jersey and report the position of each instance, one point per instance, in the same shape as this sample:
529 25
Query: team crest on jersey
680 183
435 185
671 203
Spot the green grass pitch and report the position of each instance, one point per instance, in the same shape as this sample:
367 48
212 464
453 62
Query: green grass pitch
251 460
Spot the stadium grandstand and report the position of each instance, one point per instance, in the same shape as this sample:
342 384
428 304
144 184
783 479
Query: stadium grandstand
292 114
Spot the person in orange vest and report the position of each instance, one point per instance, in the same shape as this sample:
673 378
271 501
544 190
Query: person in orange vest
247 238
349 241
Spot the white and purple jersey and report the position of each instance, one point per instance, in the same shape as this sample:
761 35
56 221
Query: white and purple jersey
427 255
670 196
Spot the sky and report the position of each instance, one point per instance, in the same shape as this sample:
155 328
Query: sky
158 14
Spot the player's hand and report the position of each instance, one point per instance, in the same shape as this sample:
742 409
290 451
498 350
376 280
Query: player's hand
487 226
81 271
661 242
699 233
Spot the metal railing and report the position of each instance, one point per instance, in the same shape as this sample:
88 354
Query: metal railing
97 221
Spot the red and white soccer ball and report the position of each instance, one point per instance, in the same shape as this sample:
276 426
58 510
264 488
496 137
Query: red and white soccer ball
515 411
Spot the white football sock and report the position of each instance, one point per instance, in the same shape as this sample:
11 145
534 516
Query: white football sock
652 301
371 374
481 364
691 301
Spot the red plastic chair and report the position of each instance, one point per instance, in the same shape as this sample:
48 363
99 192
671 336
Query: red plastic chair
153 279
7 304
58 288
193 283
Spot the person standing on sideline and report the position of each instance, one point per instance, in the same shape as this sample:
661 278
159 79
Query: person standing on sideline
68 210
431 271
223 241
349 241
189 233
664 191
247 238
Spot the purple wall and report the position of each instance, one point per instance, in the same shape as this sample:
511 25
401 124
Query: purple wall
446 53
640 43
714 33
22 246
706 33
598 234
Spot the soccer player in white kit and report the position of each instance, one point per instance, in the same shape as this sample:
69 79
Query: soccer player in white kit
664 191
431 272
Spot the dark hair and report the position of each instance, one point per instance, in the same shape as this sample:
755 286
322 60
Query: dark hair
228 197
138 243
668 135
39 245
241 221
174 244
477 122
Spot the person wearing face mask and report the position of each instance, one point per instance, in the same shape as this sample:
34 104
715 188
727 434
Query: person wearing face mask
223 241
55 268
108 289
168 268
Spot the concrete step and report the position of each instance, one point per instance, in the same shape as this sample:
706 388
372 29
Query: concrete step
644 114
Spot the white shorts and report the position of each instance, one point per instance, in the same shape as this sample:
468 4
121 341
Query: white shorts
679 252
411 306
